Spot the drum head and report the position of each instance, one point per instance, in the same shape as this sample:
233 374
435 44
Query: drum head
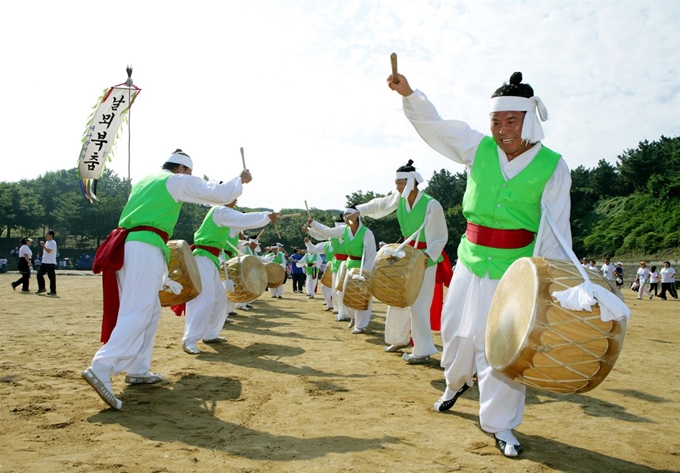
183 269
511 314
253 275
275 274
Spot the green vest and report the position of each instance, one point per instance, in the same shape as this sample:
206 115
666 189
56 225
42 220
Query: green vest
338 249
410 222
354 247
310 269
328 247
151 204
278 258
493 202
210 234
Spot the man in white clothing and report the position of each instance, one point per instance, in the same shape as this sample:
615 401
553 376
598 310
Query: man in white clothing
608 269
134 257
311 263
359 246
49 264
207 313
278 257
416 212
512 180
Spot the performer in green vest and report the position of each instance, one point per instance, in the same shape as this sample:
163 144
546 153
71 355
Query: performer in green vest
277 256
323 248
512 179
336 264
359 245
415 210
207 313
311 264
135 257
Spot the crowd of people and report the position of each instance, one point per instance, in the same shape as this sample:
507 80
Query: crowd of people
646 280
515 184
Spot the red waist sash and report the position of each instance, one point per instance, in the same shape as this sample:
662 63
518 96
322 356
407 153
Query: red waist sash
109 259
419 245
340 257
497 238
354 258
213 250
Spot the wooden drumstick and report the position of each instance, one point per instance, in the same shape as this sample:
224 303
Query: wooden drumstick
257 238
243 159
309 215
276 227
290 215
395 74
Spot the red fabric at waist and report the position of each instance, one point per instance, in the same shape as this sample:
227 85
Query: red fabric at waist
354 258
340 257
213 250
419 245
109 259
497 238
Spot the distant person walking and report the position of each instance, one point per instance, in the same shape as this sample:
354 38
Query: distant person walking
48 265
643 280
667 274
653 281
25 254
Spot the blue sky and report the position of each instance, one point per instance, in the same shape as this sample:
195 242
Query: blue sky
301 84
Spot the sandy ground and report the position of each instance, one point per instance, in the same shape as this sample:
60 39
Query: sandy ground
294 391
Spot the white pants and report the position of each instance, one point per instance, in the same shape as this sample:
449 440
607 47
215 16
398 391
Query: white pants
643 288
327 295
205 315
402 324
310 285
464 316
276 291
337 296
130 346
361 317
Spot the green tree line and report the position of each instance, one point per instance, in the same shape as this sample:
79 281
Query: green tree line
629 208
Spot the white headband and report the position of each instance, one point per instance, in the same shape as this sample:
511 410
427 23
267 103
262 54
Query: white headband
410 177
349 211
182 159
531 129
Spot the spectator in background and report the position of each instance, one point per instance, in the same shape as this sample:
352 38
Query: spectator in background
297 273
653 281
593 265
608 269
643 280
48 265
619 275
24 266
3 264
667 274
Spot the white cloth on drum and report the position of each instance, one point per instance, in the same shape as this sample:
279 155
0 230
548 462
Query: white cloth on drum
205 315
130 346
586 295
172 286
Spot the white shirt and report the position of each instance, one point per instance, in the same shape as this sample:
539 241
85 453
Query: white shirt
435 222
51 256
195 190
25 250
653 277
667 275
607 271
643 274
457 141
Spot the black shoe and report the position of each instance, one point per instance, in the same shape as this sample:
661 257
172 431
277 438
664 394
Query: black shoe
14 288
445 405
40 291
502 445
51 293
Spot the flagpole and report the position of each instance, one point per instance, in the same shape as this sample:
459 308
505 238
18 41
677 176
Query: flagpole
128 83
